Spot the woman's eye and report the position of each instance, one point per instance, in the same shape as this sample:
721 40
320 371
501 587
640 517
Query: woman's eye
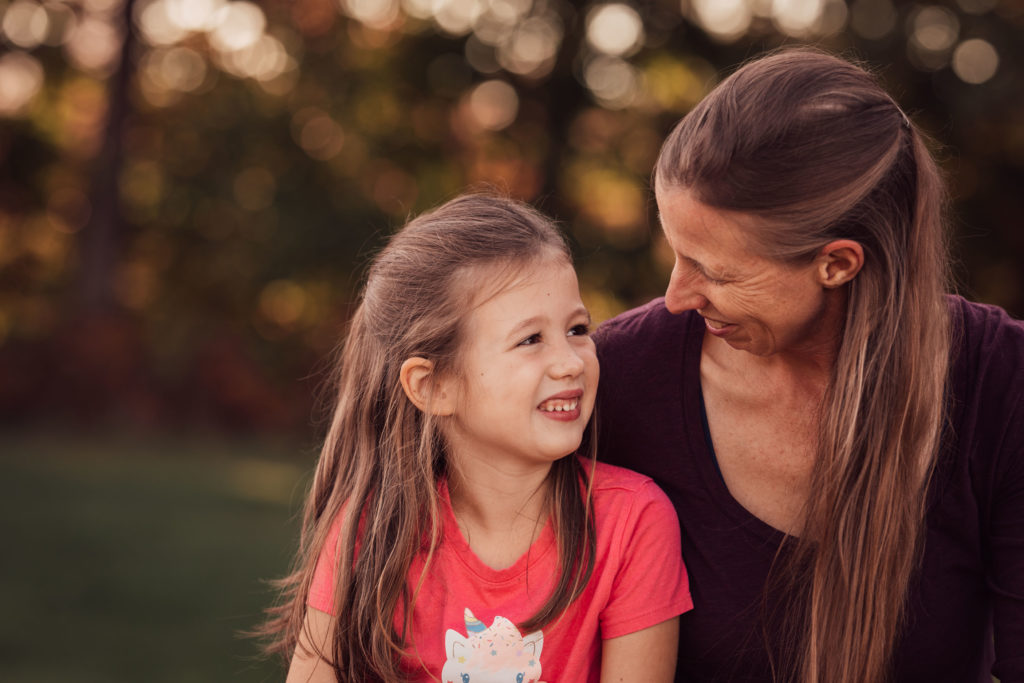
580 330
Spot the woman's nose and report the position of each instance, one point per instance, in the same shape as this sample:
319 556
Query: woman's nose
682 293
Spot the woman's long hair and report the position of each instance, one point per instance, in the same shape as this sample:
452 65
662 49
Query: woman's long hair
811 145
382 457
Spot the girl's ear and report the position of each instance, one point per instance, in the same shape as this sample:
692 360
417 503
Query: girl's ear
839 262
426 391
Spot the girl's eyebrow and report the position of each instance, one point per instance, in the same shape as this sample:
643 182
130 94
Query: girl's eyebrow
524 325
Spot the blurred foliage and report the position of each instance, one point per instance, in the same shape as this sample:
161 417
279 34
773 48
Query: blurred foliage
190 188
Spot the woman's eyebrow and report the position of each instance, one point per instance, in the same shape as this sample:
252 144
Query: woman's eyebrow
694 262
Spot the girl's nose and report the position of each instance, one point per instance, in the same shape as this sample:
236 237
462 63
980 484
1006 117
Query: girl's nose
569 363
682 293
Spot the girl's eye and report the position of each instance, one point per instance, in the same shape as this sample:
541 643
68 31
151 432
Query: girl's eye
529 341
581 330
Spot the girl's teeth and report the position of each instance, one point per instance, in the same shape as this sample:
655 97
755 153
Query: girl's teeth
560 406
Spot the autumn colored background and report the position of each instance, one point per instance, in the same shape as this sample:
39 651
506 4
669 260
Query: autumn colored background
189 190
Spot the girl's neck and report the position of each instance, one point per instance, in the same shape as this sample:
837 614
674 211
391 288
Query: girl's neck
490 496
500 511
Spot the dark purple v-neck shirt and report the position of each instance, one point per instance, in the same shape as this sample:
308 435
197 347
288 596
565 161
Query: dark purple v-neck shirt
971 583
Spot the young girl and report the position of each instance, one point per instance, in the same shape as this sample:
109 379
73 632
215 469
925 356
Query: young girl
449 534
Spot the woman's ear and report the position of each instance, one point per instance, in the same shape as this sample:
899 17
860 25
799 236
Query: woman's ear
426 391
839 262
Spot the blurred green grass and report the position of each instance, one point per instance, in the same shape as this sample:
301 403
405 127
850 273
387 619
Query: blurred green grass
141 559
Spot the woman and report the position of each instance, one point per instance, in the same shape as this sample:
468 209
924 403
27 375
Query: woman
844 444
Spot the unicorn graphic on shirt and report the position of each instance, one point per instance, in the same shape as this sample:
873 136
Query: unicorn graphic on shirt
494 654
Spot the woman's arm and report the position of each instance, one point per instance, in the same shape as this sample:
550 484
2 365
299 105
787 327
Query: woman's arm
645 656
307 666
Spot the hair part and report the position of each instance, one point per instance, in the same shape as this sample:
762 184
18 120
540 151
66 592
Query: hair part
812 147
382 458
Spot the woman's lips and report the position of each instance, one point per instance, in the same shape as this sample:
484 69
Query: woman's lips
717 327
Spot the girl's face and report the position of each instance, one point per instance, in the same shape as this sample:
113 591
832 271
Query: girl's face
528 370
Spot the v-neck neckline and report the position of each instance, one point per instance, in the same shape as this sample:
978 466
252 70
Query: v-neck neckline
696 419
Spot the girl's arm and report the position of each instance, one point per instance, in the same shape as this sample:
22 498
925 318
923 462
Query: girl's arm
646 656
307 666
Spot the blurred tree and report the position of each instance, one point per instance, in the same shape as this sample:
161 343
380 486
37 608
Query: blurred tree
209 176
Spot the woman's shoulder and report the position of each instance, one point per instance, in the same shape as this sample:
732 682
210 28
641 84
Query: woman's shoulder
974 317
651 328
986 339
649 317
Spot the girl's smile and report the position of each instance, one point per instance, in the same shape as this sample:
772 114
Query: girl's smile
564 406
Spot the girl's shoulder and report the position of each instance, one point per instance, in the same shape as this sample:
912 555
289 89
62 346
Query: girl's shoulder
611 477
623 493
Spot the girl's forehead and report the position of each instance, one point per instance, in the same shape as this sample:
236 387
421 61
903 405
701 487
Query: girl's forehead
485 281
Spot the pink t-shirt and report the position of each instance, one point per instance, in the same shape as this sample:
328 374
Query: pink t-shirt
464 619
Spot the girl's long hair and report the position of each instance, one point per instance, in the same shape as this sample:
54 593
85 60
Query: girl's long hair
382 457
811 145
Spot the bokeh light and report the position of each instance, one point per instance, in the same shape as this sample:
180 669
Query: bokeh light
615 29
532 47
319 135
194 15
614 82
156 25
456 17
21 78
282 302
178 68
494 105
797 17
373 13
807 18
975 61
238 25
95 45
723 20
933 31
26 23
498 18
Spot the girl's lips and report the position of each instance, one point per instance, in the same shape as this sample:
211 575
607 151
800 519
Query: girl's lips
568 414
563 406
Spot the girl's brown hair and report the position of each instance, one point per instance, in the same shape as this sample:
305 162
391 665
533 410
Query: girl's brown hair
812 146
382 457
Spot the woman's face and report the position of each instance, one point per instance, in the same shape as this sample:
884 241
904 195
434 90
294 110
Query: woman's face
747 300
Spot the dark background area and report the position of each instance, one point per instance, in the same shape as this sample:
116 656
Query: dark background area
190 189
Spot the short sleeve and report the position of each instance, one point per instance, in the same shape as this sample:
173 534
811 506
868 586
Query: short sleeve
321 591
651 584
